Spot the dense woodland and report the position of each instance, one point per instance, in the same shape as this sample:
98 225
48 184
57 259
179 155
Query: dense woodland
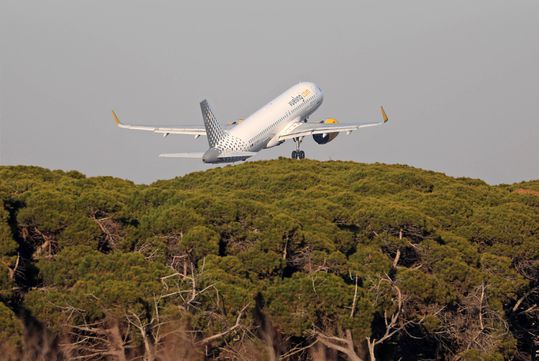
273 260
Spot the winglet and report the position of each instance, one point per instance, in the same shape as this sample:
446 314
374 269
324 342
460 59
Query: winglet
384 115
116 120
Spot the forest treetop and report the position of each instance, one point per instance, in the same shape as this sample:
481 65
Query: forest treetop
389 259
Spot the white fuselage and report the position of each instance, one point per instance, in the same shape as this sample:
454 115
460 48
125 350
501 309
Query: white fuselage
261 129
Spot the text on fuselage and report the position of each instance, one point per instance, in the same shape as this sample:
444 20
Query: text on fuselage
296 100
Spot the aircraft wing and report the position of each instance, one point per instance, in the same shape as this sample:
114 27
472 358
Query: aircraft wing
304 129
196 131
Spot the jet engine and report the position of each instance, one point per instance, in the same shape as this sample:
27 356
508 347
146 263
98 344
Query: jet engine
326 137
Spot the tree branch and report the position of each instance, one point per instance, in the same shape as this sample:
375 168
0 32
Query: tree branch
227 331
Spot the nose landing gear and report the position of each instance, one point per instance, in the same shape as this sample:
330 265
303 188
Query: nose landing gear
298 154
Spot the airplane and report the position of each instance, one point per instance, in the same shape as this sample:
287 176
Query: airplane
283 118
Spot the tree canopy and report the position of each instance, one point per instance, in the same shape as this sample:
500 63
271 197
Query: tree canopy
282 259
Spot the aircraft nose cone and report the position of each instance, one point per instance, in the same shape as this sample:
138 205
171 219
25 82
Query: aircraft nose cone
211 155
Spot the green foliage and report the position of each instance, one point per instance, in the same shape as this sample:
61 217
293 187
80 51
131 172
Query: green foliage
297 303
199 242
8 246
261 263
426 289
432 323
228 289
11 333
100 202
6 283
97 285
173 220
8 256
448 263
297 242
48 210
369 263
83 231
376 216
503 280
467 251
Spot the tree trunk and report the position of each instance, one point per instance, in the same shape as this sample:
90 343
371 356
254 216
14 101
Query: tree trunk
116 342
371 345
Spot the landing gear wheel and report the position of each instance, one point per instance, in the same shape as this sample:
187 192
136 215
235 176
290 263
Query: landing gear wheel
298 154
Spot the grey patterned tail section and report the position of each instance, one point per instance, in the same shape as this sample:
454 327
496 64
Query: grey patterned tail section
214 130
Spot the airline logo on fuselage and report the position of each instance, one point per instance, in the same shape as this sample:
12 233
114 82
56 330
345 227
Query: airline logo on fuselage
299 97
296 100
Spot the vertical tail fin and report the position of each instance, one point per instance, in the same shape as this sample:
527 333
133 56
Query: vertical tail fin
214 130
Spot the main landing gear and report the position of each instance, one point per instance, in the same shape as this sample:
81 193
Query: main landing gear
298 154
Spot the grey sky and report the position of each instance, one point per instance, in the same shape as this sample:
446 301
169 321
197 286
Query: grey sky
459 80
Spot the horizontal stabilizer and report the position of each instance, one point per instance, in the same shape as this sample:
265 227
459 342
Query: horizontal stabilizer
182 155
236 154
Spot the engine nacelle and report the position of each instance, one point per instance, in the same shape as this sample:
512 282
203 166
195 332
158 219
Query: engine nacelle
326 137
